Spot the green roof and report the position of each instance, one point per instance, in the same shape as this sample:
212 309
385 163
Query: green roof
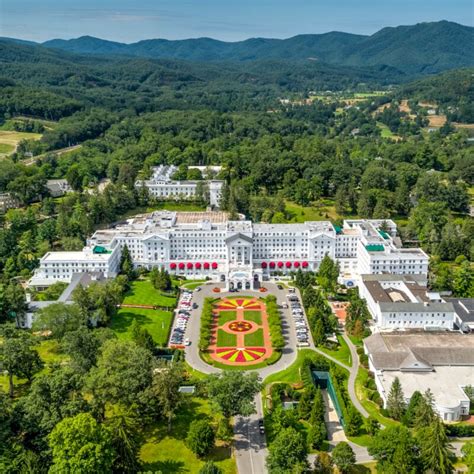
384 234
99 249
338 229
375 248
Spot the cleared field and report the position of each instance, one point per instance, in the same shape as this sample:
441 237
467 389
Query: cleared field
437 121
142 292
11 139
321 211
156 322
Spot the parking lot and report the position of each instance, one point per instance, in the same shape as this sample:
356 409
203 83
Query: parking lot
299 319
183 313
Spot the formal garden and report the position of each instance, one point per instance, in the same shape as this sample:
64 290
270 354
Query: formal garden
241 332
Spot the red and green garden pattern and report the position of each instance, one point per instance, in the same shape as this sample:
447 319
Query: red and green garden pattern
237 340
249 354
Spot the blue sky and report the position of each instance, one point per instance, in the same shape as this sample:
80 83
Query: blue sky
230 20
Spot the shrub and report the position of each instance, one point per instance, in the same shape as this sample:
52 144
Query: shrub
200 439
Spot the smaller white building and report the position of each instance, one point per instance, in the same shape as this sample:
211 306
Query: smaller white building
403 302
61 266
161 186
442 362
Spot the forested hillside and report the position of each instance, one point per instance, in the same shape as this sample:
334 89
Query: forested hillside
424 48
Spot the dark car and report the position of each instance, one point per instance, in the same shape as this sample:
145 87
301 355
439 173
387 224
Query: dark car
280 287
261 427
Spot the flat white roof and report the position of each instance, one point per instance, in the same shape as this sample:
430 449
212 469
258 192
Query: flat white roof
445 383
75 257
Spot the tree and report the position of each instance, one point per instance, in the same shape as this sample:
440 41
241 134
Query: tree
15 302
343 457
328 273
59 318
394 449
82 346
80 445
323 463
305 404
318 409
396 400
435 453
142 337
233 392
161 280
468 456
165 386
287 450
18 358
125 440
424 412
201 438
319 334
371 426
210 468
412 408
126 263
353 421
317 434
123 371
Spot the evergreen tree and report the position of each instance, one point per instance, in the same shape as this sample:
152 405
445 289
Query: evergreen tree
126 263
396 400
343 457
424 413
318 409
435 453
200 439
412 408
319 335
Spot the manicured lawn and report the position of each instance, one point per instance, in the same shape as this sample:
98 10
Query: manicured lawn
255 316
342 354
225 339
156 322
226 316
372 408
324 210
255 339
167 452
143 292
192 285
292 373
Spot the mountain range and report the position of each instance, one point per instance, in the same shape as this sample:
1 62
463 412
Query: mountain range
424 48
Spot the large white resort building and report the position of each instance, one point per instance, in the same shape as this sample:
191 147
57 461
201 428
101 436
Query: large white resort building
161 186
200 245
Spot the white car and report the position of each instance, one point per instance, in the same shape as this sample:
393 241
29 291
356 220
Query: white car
187 342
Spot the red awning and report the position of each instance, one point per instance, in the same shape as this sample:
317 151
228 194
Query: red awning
280 264
214 265
264 264
173 266
288 264
272 264
198 266
181 266
207 265
305 264
296 264
189 266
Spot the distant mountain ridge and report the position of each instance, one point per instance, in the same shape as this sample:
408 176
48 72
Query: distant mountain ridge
424 48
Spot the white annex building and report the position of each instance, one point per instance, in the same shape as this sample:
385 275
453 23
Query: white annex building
200 245
161 186
440 361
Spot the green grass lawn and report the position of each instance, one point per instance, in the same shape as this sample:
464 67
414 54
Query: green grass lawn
156 322
192 285
292 373
167 452
226 316
342 354
255 316
255 339
6 148
371 407
143 292
225 339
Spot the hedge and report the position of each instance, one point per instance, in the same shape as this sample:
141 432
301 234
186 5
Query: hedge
206 321
274 322
460 431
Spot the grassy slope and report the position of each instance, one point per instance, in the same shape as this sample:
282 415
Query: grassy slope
143 292
342 354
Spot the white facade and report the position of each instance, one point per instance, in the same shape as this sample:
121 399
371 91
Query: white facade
162 187
403 302
61 266
207 245
441 362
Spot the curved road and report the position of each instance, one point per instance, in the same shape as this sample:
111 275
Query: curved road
250 447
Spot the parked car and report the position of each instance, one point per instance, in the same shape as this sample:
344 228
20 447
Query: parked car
280 287
261 427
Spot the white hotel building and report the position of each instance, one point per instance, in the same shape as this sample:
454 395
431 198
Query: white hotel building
208 245
161 186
